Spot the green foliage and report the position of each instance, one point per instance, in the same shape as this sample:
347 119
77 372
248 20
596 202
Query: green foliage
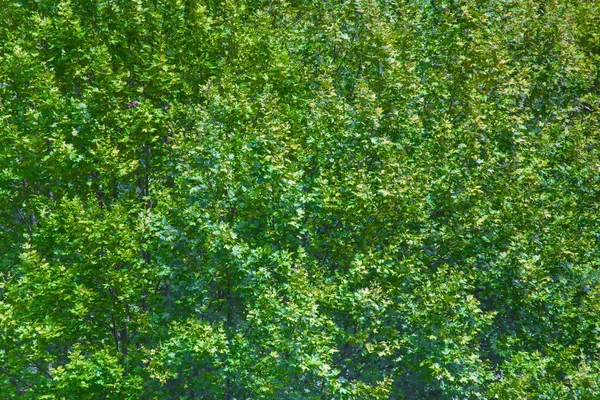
285 199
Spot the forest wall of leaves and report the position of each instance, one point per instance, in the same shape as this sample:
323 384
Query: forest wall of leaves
294 199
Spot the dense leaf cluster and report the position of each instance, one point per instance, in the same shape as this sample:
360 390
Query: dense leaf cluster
296 199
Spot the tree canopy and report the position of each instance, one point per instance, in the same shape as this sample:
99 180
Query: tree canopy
296 199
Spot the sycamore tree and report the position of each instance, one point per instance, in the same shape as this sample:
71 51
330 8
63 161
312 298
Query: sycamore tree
295 199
